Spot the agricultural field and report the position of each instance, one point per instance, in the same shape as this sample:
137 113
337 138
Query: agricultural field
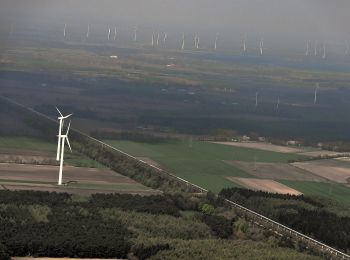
78 180
28 163
276 171
202 163
264 146
216 166
265 185
333 169
331 190
31 150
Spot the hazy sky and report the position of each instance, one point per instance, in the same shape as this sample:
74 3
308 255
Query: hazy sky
317 18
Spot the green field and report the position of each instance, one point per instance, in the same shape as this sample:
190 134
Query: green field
29 144
203 163
332 190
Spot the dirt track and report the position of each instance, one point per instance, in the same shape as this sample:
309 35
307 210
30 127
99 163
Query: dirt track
265 185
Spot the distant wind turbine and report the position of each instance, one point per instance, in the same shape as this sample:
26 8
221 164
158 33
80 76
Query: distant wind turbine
115 33
324 51
315 95
158 39
307 48
216 42
152 43
165 37
135 33
244 44
64 30
88 31
261 46
183 41
256 98
109 33
316 48
278 104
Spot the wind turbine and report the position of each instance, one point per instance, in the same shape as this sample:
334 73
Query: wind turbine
158 39
152 39
261 46
324 51
195 40
88 31
109 33
256 98
315 96
278 104
245 44
165 37
135 33
115 33
315 48
216 42
61 118
183 41
63 139
307 48
64 30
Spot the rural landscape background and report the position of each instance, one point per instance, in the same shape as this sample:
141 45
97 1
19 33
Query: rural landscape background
184 129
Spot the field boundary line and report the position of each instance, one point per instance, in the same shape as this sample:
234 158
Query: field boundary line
323 247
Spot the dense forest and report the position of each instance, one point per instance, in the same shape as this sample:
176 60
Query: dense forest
310 216
126 226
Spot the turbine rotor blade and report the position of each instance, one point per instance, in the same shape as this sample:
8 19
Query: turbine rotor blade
70 148
59 112
67 116
68 128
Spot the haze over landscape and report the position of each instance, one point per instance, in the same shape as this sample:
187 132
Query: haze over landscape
173 129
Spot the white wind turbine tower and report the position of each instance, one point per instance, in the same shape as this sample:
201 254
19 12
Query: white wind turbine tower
115 33
158 39
307 48
324 51
315 95
216 42
63 139
315 48
165 37
278 104
195 40
256 98
64 30
245 44
88 31
61 118
135 33
152 43
183 41
109 33
261 46
197 45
